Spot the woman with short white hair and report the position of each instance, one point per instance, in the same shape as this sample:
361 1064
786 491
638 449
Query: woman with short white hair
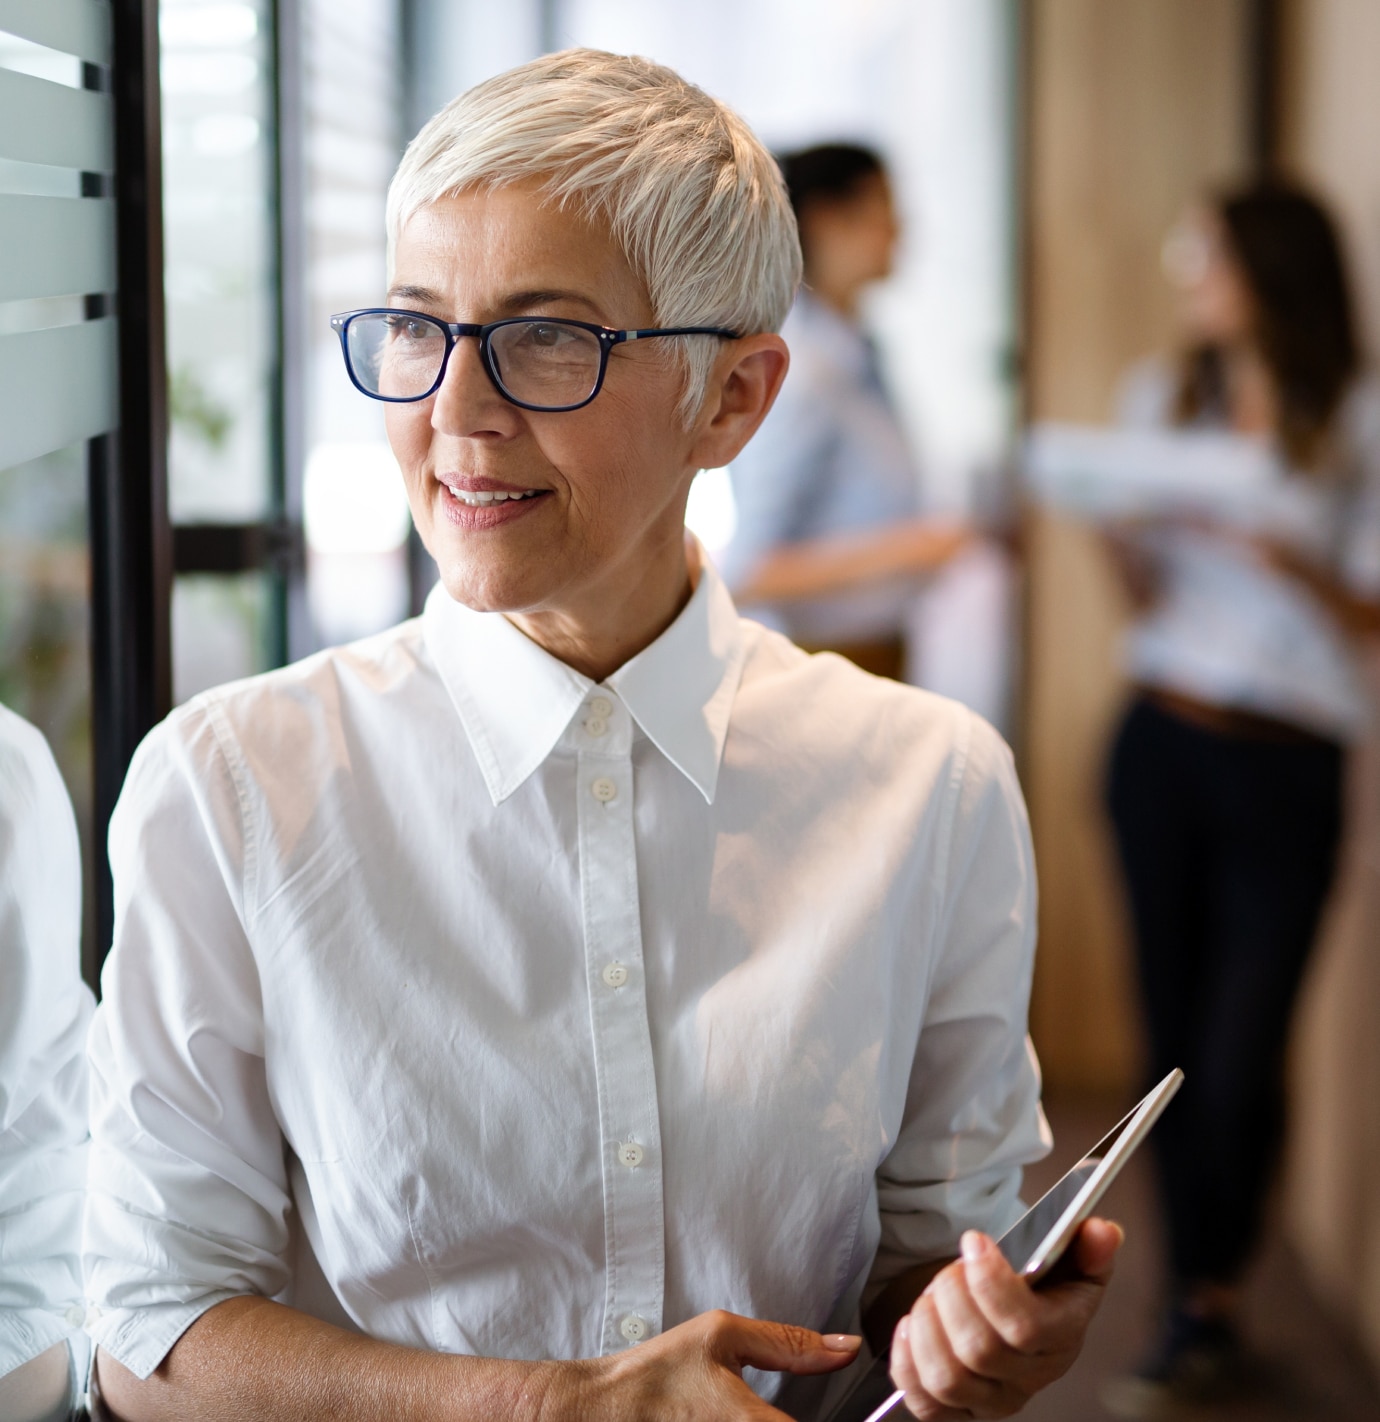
576 1001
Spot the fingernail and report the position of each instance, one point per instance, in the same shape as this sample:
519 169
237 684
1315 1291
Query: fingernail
973 1244
842 1342
903 1328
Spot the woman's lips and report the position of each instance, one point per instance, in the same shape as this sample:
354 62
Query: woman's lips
485 503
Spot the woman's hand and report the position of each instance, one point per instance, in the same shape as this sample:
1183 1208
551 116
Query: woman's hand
980 1342
693 1373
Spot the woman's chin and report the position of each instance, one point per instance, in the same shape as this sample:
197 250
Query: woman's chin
494 589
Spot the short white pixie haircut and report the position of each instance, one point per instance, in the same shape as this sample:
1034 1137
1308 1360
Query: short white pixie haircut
694 200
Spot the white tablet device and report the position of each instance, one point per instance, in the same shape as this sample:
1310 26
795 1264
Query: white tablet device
1034 1244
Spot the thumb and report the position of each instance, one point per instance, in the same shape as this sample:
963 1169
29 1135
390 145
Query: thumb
742 1342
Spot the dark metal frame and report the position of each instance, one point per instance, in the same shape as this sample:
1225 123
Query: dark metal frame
131 547
453 331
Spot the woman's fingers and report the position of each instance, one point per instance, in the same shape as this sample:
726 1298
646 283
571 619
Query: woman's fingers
938 1384
975 1339
1095 1248
980 1342
742 1342
906 1374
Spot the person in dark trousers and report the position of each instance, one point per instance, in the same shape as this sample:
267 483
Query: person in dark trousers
1226 779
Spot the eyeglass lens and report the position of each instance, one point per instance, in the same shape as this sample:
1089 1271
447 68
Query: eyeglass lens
544 363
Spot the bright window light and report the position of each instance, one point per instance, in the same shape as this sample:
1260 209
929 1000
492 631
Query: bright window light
206 25
208 73
710 513
222 135
354 500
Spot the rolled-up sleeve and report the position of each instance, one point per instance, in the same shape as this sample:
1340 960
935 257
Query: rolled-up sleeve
972 1118
188 1196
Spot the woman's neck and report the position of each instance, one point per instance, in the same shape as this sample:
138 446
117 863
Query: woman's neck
1252 394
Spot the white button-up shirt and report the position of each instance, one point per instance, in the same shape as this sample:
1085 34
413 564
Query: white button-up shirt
492 1011
44 1011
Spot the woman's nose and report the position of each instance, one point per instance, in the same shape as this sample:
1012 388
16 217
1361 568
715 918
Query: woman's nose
467 402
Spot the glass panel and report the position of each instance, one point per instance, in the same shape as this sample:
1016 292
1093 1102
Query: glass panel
45 659
63 380
219 275
76 27
56 246
221 630
57 375
46 122
356 511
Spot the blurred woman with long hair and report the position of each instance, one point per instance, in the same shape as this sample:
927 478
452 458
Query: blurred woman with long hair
1226 777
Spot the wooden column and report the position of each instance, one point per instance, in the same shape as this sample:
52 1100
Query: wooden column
1133 107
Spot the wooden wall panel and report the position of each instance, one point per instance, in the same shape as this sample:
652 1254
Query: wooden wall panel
1133 107
1332 1196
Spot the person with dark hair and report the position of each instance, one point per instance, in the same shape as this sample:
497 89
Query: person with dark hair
830 540
1225 784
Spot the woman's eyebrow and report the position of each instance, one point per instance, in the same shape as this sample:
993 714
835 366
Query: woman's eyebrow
515 303
423 294
520 301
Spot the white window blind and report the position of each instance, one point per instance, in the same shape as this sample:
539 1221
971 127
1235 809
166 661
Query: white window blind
58 370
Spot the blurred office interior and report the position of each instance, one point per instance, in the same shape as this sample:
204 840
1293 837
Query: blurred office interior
191 492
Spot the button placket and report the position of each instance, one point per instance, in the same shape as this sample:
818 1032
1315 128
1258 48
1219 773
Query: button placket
629 1124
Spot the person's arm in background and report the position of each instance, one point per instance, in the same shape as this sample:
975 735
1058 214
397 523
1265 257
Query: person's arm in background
821 566
1351 590
976 1337
777 482
44 1011
188 1202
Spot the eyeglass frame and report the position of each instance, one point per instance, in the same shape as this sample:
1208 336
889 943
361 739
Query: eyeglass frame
455 330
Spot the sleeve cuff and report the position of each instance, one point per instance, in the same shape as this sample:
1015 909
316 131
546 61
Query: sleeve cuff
140 1338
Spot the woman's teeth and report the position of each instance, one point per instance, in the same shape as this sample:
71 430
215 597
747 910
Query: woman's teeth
479 497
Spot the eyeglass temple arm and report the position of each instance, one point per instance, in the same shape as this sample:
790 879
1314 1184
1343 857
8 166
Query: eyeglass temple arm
679 331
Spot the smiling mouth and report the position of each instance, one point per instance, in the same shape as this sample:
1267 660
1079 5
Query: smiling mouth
480 498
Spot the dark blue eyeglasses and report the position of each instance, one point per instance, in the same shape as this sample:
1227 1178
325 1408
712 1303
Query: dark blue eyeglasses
537 362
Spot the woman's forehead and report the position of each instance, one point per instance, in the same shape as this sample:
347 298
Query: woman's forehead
506 246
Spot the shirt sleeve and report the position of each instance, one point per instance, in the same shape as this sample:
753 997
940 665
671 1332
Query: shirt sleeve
44 1012
188 1194
972 1117
779 477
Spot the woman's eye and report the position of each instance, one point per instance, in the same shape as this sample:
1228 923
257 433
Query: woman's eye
403 329
547 335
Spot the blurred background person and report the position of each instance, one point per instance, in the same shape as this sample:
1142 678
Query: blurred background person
830 539
44 1012
1226 777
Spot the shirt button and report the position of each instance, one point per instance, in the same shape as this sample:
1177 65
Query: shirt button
615 975
597 726
602 707
633 1328
603 789
75 1316
630 1154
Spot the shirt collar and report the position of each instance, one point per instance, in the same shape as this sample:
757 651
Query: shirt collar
516 700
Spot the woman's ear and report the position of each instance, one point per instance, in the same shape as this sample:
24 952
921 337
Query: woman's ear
742 387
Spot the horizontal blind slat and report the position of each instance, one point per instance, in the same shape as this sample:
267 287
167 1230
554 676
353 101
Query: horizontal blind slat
80 27
56 387
56 247
43 122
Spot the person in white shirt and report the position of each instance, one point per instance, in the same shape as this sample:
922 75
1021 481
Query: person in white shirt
577 1001
45 1009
